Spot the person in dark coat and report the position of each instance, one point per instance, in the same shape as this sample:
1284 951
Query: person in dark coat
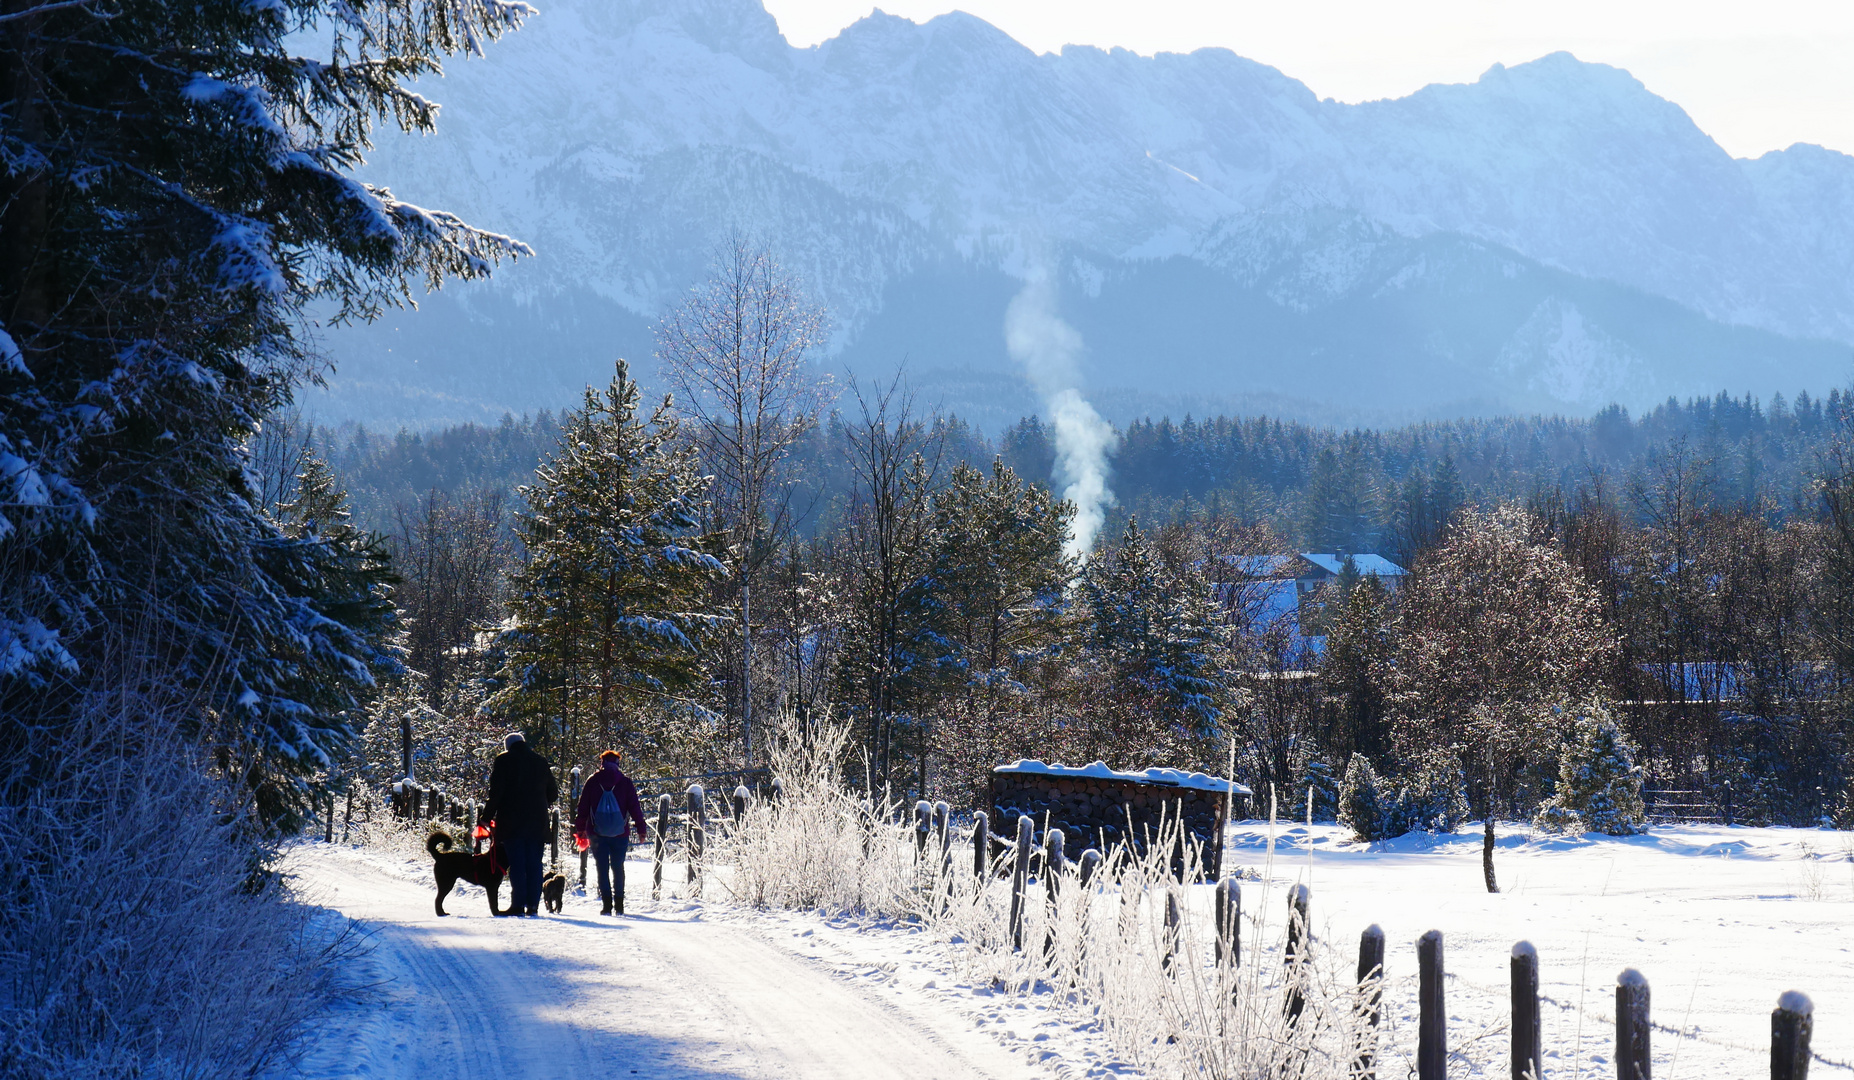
607 838
521 788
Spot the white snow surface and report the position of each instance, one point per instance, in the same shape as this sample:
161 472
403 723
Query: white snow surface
1723 923
1099 770
674 989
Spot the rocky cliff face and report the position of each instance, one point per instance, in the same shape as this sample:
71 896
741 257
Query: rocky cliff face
1550 236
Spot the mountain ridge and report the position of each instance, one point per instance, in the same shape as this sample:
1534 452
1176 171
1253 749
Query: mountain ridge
624 139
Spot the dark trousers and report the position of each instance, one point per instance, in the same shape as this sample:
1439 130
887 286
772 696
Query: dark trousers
608 852
524 857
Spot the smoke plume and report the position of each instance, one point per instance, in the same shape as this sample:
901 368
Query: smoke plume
1048 348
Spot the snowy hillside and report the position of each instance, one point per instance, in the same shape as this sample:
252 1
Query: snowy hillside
1552 235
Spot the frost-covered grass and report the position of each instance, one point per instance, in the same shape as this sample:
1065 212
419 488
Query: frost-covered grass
1720 920
1104 951
142 936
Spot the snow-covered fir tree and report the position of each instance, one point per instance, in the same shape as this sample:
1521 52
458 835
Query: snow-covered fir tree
176 193
608 611
993 612
1361 801
1157 633
1599 784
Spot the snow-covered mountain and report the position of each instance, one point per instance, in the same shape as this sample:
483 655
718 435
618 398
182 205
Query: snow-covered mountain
1551 236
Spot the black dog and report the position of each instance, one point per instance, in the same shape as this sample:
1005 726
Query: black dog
485 870
553 890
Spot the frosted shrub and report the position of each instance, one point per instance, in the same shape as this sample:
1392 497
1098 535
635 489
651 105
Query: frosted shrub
819 847
142 936
1599 784
1432 798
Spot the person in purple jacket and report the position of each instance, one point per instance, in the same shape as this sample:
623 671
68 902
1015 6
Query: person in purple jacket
607 806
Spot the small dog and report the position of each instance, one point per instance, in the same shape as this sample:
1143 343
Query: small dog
485 870
553 891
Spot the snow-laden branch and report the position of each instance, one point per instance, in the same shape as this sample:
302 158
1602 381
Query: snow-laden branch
57 5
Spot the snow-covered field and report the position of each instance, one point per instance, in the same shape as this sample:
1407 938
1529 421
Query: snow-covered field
1720 920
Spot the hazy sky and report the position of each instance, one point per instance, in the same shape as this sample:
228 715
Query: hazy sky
1756 75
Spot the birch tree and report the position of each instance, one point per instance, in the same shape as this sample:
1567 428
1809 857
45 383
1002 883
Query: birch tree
735 354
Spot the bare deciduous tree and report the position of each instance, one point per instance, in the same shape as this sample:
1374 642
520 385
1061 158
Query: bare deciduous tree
454 557
735 353
894 458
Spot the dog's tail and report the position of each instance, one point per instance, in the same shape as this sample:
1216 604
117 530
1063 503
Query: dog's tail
438 843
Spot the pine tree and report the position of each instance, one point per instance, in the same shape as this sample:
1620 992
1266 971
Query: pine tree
606 615
993 586
1316 776
1158 633
1599 784
176 193
1355 667
1361 801
1337 513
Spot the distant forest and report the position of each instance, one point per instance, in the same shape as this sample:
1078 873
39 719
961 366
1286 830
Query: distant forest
1317 488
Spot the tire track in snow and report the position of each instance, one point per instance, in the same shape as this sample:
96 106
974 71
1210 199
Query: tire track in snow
576 995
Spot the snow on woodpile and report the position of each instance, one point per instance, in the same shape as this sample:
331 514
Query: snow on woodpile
1099 770
1095 805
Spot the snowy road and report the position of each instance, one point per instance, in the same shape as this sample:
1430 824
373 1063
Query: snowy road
661 994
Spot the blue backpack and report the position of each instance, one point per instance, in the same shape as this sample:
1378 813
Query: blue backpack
608 816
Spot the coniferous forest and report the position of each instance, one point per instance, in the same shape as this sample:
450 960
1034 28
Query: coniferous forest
1694 559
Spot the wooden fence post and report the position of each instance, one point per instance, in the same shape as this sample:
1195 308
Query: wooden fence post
1020 879
553 839
1053 862
740 803
1528 1041
1633 1059
1791 1024
698 834
1299 949
869 824
1090 867
942 827
1370 1001
923 824
405 748
661 849
573 792
1432 1014
1224 812
1229 923
1173 919
981 845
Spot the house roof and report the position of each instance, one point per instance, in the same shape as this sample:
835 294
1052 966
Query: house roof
1368 565
1259 566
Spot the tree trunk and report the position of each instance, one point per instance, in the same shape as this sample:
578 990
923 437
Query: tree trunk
746 666
1487 846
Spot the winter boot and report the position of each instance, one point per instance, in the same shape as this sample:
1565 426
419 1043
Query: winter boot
618 904
605 903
